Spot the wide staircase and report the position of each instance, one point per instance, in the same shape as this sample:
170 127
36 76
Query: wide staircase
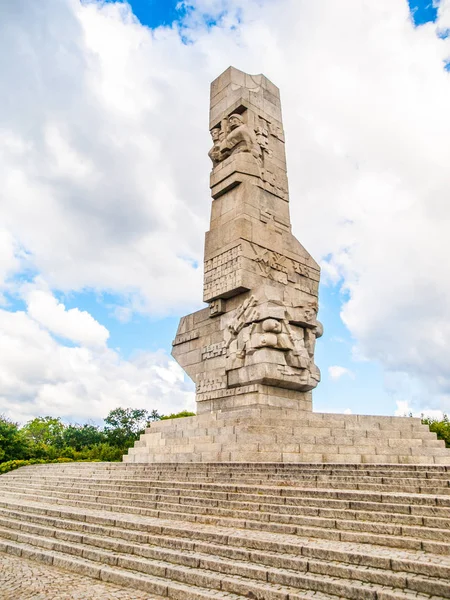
261 531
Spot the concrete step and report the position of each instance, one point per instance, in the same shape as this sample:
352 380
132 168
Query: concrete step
239 576
430 516
112 538
440 474
410 486
344 530
239 501
227 467
284 488
243 467
264 532
118 576
260 506
344 580
143 528
363 482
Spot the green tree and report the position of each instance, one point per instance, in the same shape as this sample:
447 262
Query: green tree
154 416
123 426
45 430
82 436
441 428
13 444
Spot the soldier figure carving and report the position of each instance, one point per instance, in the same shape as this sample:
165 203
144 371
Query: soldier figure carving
237 138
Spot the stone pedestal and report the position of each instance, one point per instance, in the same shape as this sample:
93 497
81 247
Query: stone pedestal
274 435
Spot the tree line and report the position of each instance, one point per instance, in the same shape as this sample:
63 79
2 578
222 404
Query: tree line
49 438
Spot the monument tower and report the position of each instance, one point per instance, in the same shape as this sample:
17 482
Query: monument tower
250 351
254 344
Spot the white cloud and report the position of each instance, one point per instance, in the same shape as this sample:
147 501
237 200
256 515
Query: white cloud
103 142
336 372
40 376
96 152
404 409
74 325
9 262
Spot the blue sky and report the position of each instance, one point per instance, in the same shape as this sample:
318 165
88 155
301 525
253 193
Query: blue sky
154 13
423 11
103 170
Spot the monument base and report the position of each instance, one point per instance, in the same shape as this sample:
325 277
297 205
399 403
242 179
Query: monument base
266 434
255 395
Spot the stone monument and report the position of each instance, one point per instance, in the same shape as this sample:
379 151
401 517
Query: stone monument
254 344
250 352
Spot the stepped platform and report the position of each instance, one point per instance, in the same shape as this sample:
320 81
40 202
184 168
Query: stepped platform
267 531
271 434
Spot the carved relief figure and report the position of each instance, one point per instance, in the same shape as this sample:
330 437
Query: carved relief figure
239 138
215 153
253 340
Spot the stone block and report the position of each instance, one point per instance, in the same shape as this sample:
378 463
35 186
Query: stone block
356 449
379 458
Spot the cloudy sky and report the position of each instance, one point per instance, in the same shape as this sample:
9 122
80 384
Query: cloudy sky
104 192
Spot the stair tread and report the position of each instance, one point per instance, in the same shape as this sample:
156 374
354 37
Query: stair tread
290 490
81 565
269 576
160 526
331 528
192 552
238 531
260 504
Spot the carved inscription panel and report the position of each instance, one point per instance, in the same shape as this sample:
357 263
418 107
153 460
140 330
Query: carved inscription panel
182 338
224 393
222 273
285 270
214 350
210 384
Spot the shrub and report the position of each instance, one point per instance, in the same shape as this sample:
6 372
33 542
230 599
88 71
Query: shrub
441 428
10 465
180 415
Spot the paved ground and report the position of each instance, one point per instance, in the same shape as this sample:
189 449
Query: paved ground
22 579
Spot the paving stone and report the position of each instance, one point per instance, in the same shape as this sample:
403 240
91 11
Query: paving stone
23 579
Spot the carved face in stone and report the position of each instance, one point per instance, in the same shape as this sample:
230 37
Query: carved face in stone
215 133
235 121
310 311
